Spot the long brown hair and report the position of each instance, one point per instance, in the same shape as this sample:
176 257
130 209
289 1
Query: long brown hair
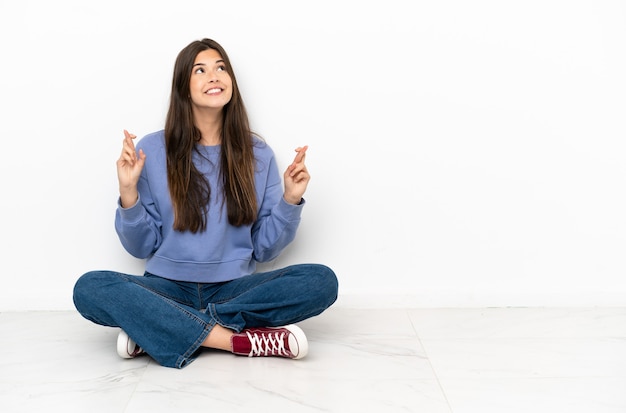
189 189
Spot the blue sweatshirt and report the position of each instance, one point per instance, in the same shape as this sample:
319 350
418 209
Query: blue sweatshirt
222 252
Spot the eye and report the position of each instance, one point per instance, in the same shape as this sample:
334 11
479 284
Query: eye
199 70
221 68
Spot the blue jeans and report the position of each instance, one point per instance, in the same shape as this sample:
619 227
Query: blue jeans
170 319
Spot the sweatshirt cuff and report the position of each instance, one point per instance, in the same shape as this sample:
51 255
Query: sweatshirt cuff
132 213
289 211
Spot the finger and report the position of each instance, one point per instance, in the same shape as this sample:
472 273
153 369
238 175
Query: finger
142 157
301 153
128 151
300 177
128 139
129 135
296 169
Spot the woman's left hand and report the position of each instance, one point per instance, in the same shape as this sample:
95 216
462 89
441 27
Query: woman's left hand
296 178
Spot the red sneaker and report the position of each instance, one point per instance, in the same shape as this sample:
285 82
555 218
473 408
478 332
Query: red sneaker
288 341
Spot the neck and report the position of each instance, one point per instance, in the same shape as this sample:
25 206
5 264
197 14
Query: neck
210 126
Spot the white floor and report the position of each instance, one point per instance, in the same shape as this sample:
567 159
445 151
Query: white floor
500 360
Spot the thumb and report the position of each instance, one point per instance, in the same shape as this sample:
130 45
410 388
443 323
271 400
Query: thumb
142 157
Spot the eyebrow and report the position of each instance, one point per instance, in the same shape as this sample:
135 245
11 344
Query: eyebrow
204 64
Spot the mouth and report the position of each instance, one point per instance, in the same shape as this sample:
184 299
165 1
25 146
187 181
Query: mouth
214 91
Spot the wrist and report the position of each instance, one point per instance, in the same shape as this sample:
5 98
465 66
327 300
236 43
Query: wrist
292 200
128 198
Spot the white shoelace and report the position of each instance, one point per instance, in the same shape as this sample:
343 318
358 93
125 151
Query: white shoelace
269 343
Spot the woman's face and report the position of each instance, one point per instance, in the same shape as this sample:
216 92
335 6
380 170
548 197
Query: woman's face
210 85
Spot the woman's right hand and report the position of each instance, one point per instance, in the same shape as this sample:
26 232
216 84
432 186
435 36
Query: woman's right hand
129 168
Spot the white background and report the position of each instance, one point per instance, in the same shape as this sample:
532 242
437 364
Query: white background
462 153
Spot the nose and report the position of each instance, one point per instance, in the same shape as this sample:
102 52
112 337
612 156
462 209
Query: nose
211 77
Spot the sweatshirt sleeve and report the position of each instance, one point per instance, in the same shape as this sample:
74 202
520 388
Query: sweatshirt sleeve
138 227
277 220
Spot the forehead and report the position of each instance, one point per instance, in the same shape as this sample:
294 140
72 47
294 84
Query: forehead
208 56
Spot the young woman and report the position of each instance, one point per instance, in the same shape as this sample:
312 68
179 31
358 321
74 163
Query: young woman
202 201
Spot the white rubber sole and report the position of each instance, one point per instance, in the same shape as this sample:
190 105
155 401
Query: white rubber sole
125 346
297 340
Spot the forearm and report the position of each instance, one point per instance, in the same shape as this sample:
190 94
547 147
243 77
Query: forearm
128 197
272 233
139 233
